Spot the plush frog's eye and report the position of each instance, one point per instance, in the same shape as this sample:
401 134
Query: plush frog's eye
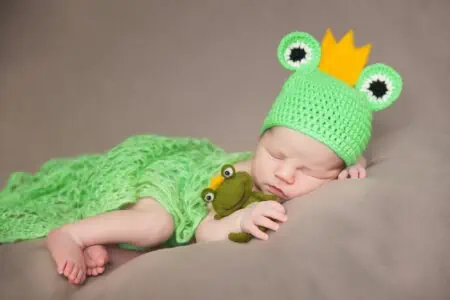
208 195
228 171
299 51
381 84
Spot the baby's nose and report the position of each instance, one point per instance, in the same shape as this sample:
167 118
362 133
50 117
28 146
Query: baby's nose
286 175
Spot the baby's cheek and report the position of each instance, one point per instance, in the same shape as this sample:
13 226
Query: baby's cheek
297 189
260 172
308 184
267 167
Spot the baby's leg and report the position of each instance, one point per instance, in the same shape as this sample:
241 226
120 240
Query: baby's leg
145 224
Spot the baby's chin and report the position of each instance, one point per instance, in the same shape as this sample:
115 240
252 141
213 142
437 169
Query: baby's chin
281 195
287 197
292 194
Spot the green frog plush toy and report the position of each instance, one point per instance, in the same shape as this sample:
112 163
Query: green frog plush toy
230 192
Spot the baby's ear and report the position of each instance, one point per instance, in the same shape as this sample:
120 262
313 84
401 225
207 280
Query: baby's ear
299 51
381 84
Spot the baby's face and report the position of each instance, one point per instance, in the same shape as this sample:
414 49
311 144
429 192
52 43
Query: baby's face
290 164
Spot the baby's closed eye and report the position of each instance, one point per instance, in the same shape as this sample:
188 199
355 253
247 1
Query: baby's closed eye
277 155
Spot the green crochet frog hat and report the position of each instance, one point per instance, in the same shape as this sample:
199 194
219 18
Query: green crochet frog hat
331 95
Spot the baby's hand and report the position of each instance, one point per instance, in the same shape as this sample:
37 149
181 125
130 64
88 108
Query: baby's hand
354 172
262 214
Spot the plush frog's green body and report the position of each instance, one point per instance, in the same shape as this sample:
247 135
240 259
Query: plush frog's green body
230 192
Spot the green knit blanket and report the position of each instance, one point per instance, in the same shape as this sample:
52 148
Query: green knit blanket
170 169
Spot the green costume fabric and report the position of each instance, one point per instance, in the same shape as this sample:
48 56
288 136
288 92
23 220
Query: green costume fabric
329 96
170 169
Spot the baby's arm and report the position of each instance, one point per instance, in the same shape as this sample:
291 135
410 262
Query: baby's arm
216 230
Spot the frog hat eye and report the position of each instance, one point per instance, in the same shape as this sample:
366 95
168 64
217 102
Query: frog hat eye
381 84
228 171
299 51
208 195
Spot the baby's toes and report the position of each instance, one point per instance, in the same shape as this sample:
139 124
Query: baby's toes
94 272
80 277
68 268
101 261
60 267
74 273
77 277
100 270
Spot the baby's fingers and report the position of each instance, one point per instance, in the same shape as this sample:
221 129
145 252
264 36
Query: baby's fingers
354 172
343 174
357 172
277 206
275 215
362 173
257 233
267 223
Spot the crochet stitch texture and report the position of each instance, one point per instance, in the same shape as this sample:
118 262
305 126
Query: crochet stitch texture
171 170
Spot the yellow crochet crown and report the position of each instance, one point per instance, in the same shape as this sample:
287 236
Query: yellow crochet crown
342 60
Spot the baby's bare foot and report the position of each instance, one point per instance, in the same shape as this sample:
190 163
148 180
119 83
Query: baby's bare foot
96 258
68 256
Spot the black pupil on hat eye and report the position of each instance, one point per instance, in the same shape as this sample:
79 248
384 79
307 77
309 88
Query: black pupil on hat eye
227 173
378 88
297 54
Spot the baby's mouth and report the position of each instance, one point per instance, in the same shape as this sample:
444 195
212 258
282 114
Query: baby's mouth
277 191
